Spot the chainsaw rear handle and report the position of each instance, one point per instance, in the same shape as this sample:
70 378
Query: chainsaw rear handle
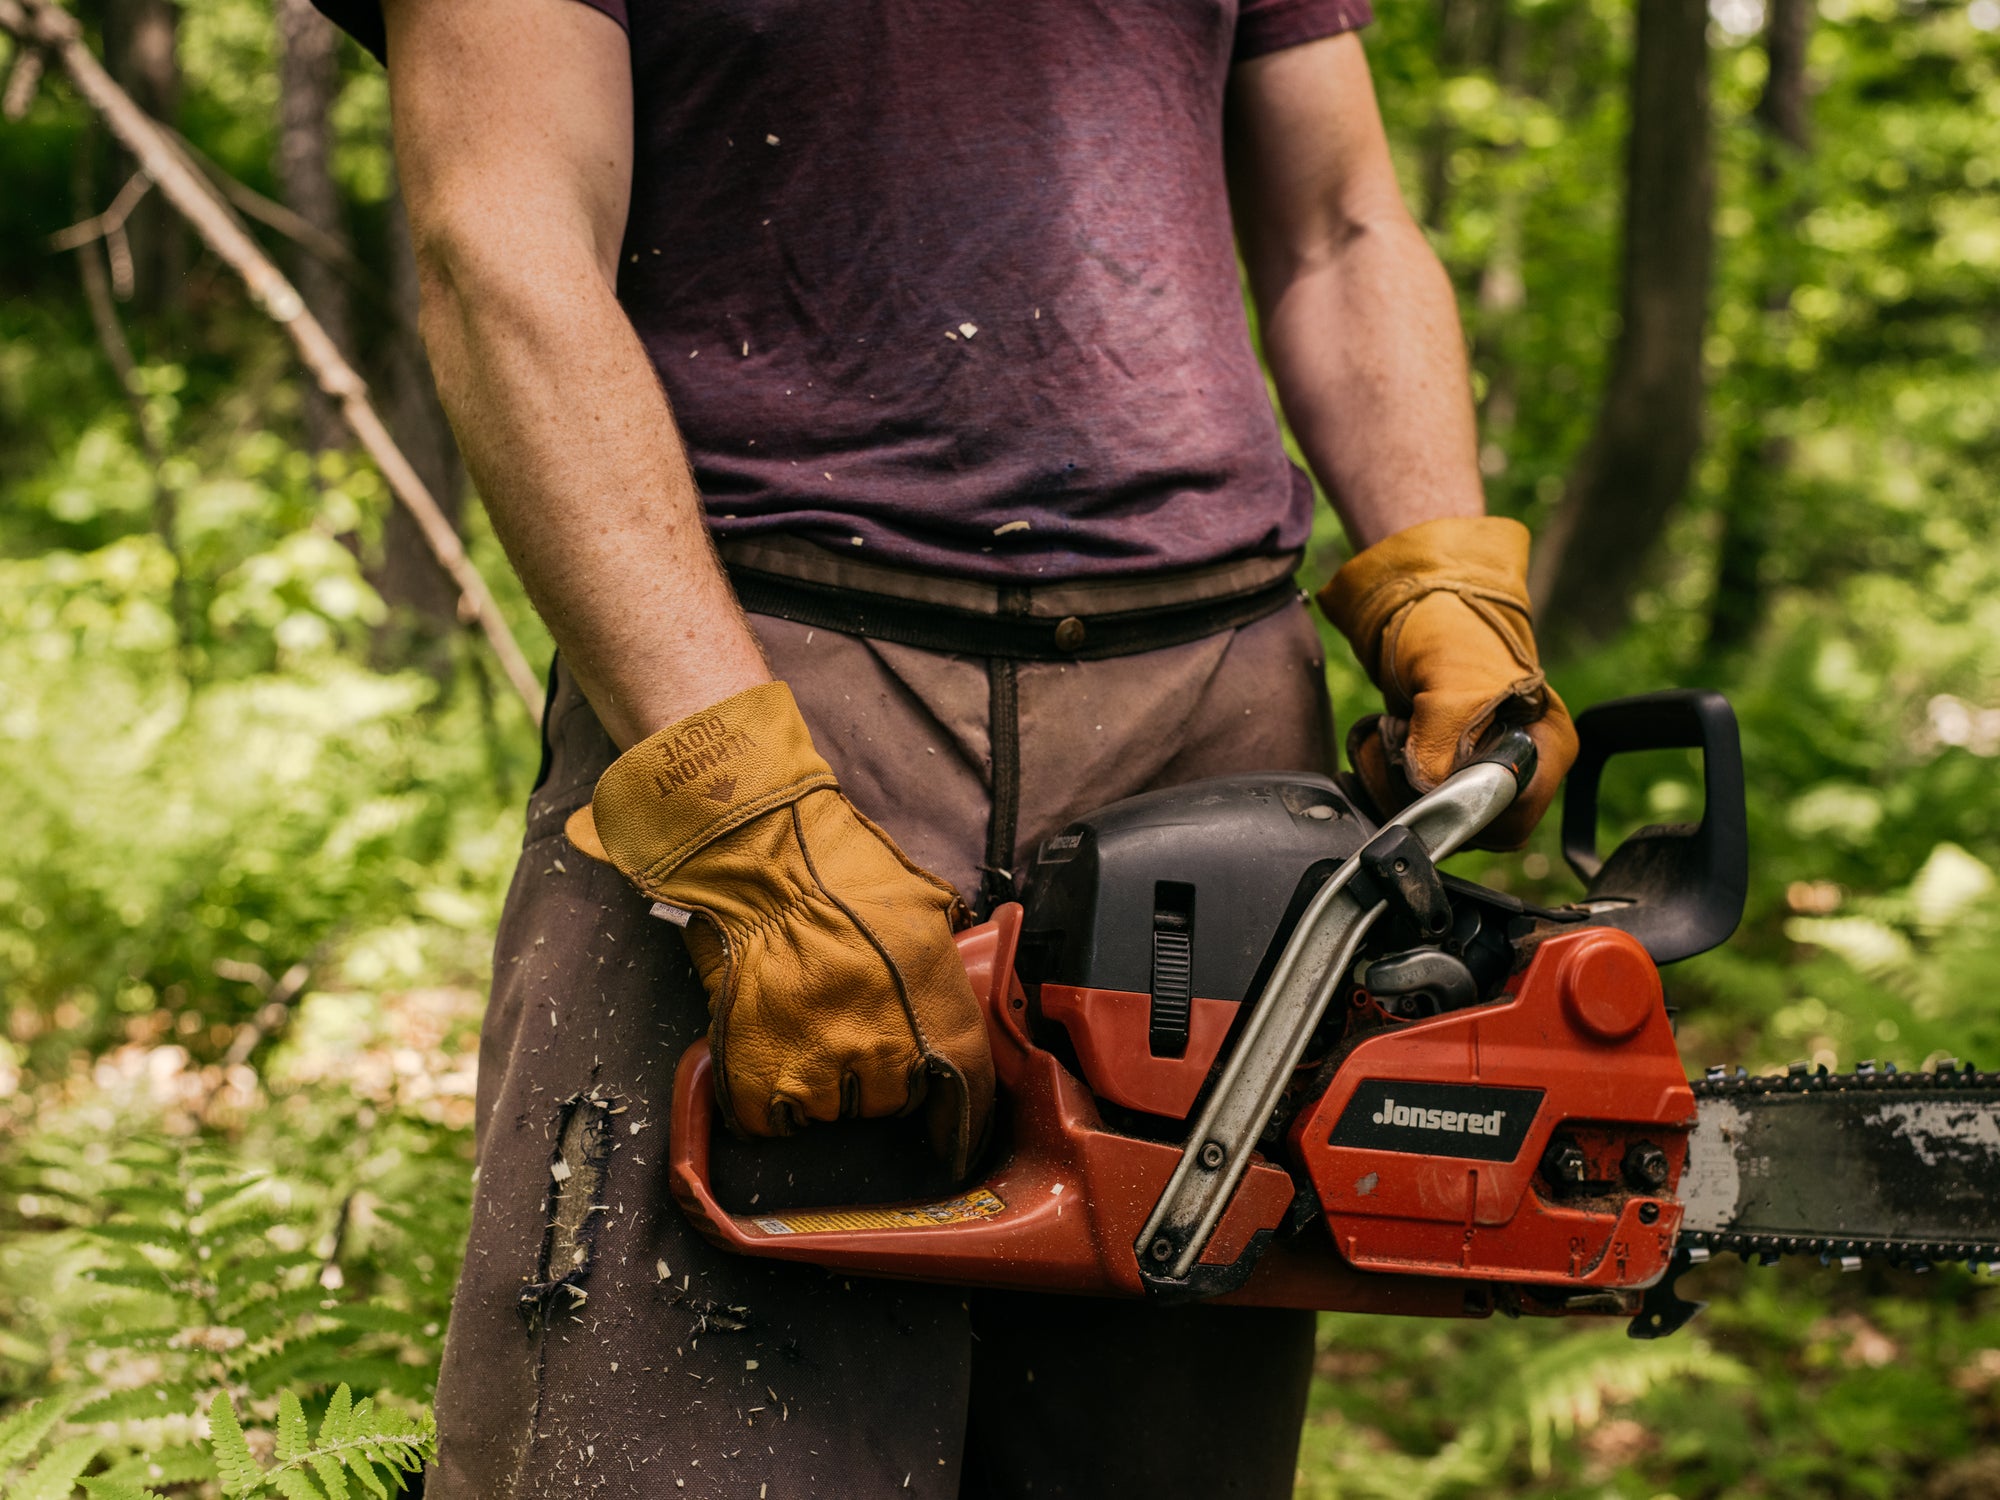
1056 1210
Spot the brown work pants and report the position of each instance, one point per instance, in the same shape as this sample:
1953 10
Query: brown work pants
653 1365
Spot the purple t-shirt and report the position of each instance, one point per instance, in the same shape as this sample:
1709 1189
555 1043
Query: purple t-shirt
953 284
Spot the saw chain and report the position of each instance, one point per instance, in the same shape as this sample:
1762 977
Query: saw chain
1876 1162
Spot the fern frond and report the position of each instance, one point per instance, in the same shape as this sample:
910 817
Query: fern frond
269 1314
1565 1388
135 1232
338 1423
54 1478
22 1432
379 1317
301 1363
221 1191
293 1437
1559 1387
235 1466
100 1488
354 1437
331 1475
158 1467
136 1405
131 1278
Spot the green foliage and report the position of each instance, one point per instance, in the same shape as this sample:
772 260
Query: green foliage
164 1280
355 1441
1555 1390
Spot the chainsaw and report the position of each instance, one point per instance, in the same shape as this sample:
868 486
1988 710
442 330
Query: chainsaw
1253 1047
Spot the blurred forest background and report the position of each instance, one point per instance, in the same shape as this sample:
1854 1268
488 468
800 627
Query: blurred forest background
1732 280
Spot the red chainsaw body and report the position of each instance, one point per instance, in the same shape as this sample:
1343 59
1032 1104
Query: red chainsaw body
1583 1042
1406 1225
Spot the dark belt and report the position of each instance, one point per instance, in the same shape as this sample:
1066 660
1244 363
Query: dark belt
1005 636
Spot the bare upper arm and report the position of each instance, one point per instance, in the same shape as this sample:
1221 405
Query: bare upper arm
513 128
1308 159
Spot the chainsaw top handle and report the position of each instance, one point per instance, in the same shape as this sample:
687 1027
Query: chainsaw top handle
1511 748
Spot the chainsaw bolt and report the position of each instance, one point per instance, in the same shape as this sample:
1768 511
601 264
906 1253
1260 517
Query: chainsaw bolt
1213 1156
1162 1249
1647 1167
1649 1213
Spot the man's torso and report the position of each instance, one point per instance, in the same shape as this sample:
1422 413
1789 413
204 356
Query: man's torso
954 285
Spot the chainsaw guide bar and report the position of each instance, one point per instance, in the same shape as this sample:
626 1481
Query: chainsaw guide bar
1871 1163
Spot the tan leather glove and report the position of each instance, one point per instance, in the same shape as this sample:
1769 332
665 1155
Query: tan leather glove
1438 617
834 987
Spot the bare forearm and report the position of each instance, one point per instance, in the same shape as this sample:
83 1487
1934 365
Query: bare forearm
570 438
516 166
1370 366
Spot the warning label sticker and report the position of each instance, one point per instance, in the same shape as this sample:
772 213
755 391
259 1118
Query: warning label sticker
979 1204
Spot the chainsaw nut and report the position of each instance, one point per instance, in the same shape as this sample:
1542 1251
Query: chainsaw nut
1565 1166
1646 1167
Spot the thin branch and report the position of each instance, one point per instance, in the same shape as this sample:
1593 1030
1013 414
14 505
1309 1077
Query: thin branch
118 251
40 23
108 223
280 997
22 81
274 215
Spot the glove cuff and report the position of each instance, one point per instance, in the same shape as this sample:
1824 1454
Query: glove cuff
1484 557
683 788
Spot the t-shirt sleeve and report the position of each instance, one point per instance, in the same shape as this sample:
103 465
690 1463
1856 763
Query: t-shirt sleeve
1272 25
362 19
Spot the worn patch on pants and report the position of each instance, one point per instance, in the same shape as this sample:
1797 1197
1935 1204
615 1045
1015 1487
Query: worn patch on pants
575 1202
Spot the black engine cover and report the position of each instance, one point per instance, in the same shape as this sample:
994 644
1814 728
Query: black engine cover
1228 862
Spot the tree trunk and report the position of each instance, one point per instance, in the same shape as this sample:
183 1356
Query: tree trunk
1503 290
308 82
149 259
408 577
1760 457
1784 108
1637 464
1458 23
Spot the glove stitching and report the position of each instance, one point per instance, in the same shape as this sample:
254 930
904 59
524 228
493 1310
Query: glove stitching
1479 600
1482 605
881 949
718 1023
724 1007
924 1050
665 864
756 926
